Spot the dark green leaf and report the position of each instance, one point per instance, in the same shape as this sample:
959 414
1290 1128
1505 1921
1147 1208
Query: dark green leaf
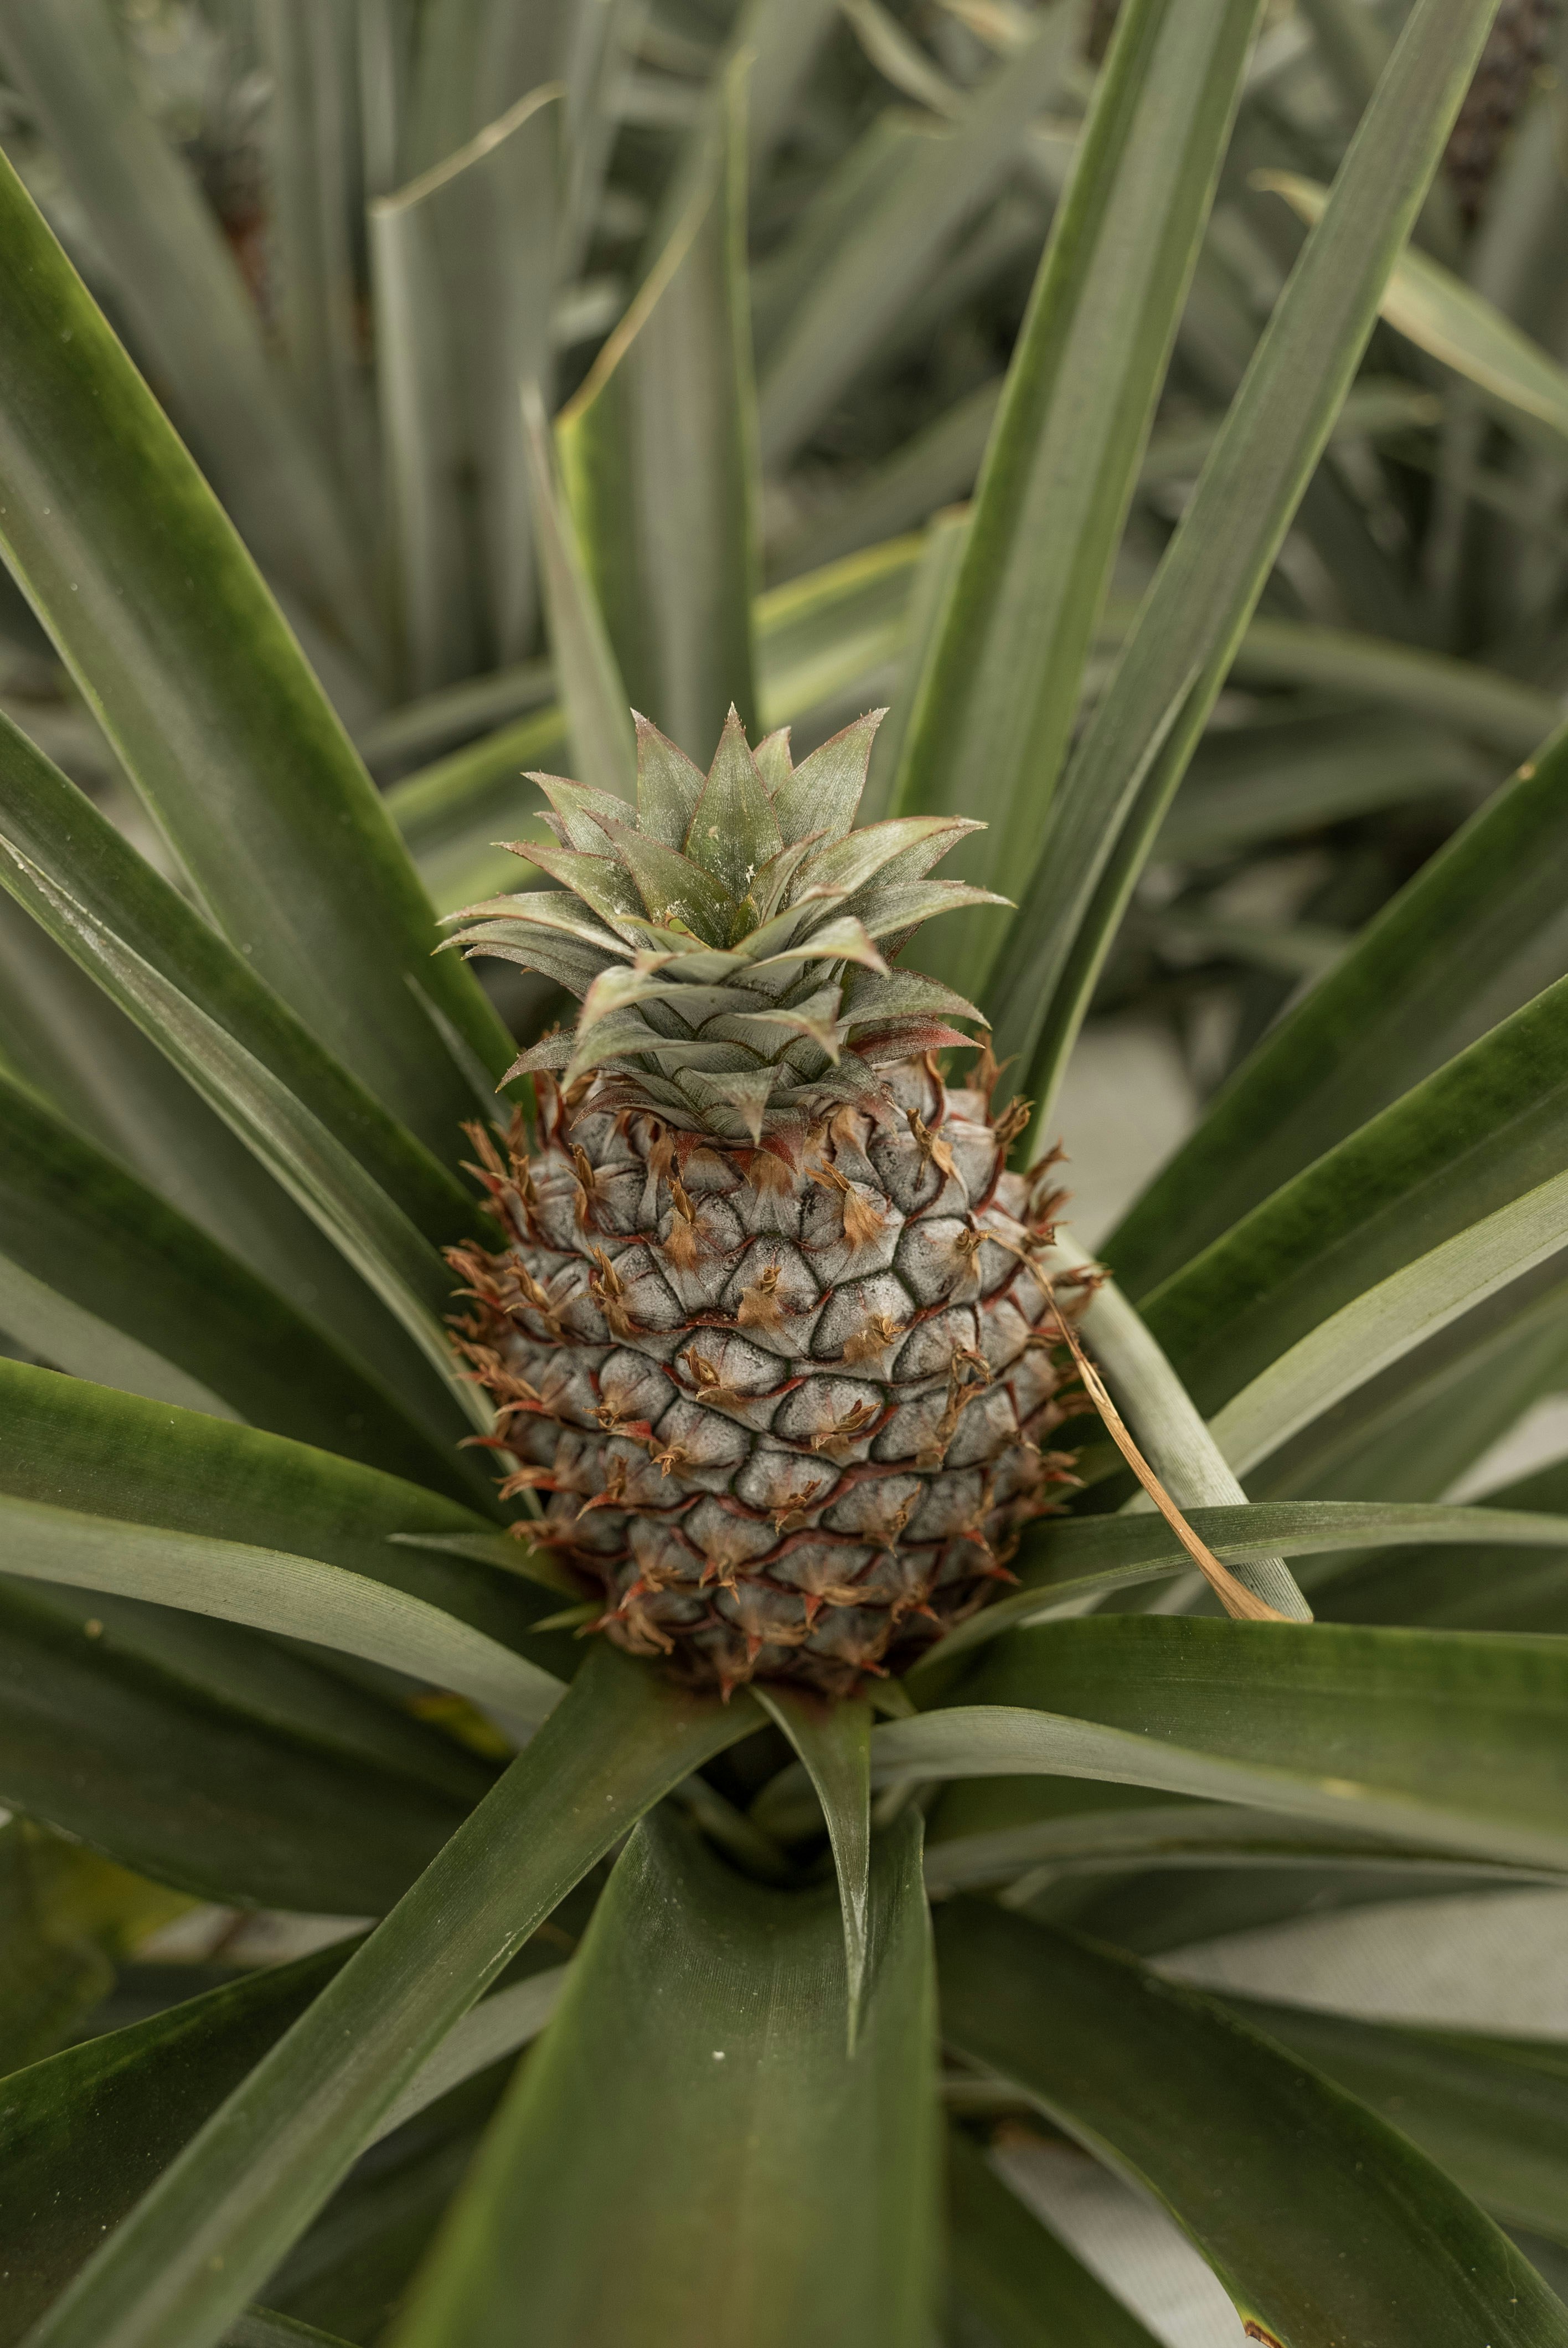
1127 765
1469 1139
1073 1834
886 246
705 2014
369 1184
995 708
203 1755
1402 1315
1322 2223
1440 1738
1418 1424
83 1447
1488 1588
1492 2111
180 651
1475 936
261 2327
1062 1564
71 1042
834 1741
1027 2288
72 1220
203 2240
84 2134
272 1590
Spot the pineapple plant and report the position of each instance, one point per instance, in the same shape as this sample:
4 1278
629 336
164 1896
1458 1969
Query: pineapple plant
756 1644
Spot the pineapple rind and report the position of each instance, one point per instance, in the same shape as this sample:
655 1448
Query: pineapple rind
793 1432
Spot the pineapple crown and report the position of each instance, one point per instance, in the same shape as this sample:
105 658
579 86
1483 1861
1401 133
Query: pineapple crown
728 946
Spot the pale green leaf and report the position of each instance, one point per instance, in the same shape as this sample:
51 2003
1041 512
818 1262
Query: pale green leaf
658 452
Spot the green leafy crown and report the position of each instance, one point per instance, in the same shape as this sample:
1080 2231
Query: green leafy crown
728 946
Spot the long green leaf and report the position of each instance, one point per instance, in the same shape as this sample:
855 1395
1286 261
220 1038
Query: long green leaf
785 35
1492 2111
1477 933
834 1741
317 190
168 632
1185 1454
1026 2287
658 452
1000 694
1067 1832
83 1447
934 186
1504 711
129 1268
1323 2225
472 58
359 1175
508 2018
83 2134
1449 320
1486 1589
204 1755
593 695
187 306
1383 1324
461 319
1412 1429
1063 1565
1473 1138
204 2237
705 2014
1445 1738
1126 768
1268 782
70 1041
296 1597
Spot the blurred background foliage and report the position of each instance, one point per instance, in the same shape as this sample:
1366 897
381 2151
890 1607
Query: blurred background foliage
325 230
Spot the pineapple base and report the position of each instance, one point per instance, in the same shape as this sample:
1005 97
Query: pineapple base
787 1419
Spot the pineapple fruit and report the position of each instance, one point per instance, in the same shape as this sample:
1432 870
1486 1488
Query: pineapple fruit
771 1336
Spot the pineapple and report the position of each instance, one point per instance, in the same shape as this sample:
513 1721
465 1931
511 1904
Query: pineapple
769 1335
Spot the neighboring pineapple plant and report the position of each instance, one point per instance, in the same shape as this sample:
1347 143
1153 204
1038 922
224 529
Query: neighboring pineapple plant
738 1609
